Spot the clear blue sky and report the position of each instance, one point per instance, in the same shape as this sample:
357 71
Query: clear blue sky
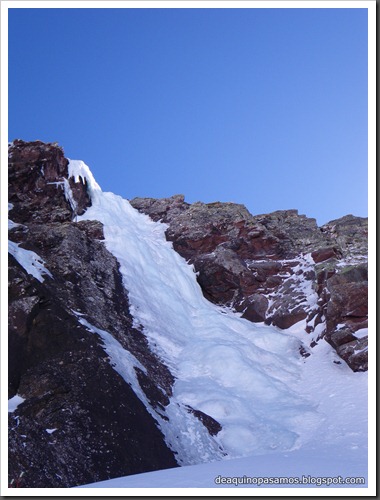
265 107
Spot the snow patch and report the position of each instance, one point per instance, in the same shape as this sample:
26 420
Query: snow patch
79 170
360 334
30 261
14 402
12 224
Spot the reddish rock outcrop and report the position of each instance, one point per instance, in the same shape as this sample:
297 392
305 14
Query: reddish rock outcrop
36 171
278 268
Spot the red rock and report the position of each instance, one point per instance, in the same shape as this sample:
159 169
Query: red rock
323 254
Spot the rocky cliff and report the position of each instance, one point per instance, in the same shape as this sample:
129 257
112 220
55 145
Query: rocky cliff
80 420
79 416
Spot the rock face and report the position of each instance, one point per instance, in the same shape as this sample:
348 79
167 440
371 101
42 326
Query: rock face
82 420
278 268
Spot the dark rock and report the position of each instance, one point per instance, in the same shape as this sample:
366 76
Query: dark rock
348 296
255 308
79 416
304 353
284 319
210 423
341 337
297 233
347 306
355 354
92 228
36 173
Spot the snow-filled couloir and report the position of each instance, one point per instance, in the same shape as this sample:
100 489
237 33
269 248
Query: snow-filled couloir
251 378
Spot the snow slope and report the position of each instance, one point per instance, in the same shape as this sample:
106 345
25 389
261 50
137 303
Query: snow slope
270 401
296 469
336 452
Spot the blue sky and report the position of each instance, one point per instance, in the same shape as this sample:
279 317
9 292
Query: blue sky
265 107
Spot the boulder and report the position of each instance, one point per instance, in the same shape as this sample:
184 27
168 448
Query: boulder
323 254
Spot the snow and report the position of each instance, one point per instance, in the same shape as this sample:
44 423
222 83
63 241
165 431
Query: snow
305 287
79 170
335 452
360 334
30 261
14 402
12 224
